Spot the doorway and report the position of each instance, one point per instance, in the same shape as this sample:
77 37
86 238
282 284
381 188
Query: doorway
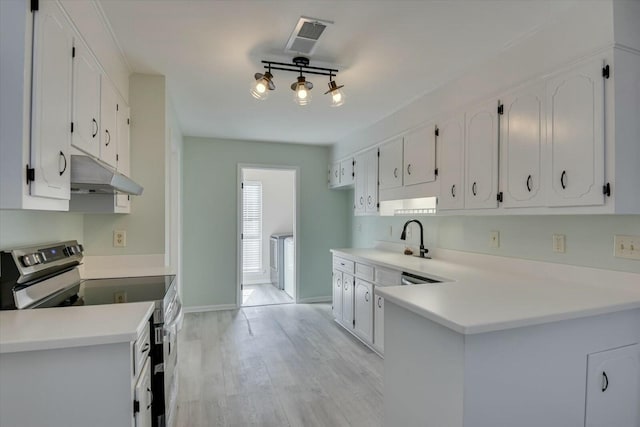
267 244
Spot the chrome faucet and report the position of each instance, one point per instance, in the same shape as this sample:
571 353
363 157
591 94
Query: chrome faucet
403 236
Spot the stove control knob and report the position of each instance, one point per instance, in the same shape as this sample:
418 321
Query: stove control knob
31 259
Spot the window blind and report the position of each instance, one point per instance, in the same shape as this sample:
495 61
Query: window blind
252 227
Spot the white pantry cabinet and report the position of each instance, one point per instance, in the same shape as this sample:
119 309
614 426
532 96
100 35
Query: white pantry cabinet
420 156
51 103
390 165
363 310
86 101
451 163
481 156
522 145
575 135
366 183
613 388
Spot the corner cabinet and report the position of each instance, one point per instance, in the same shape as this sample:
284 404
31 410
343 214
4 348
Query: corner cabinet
366 183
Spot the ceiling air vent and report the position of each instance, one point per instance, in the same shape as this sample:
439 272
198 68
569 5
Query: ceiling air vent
305 35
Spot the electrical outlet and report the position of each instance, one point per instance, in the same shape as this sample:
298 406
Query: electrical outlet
119 297
559 243
494 239
119 239
626 247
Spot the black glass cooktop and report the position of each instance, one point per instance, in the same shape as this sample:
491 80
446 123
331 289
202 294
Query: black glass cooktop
124 289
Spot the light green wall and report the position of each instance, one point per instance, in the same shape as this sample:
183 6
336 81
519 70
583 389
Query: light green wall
145 225
210 216
24 228
589 238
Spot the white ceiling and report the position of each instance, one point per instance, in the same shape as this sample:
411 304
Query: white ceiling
388 53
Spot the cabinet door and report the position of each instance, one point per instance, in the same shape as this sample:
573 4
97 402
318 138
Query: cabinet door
451 163
143 397
363 314
337 295
347 174
108 123
613 388
481 187
372 181
521 144
86 101
123 156
347 300
334 175
575 135
420 156
51 103
378 323
360 192
390 164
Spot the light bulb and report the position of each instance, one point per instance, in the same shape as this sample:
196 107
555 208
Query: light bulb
262 86
337 97
302 92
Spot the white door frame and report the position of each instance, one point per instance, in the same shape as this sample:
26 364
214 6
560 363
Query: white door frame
296 223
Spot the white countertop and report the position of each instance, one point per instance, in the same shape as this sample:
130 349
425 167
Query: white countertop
482 293
63 327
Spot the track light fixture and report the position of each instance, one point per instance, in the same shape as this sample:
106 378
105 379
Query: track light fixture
301 87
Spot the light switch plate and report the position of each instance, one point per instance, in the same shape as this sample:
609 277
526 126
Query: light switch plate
626 247
559 243
494 239
119 238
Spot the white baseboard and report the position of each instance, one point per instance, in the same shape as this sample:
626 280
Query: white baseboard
314 299
202 308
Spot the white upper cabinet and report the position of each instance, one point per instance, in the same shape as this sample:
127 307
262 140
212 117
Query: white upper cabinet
108 123
522 144
347 172
123 158
86 101
481 187
334 174
390 166
366 183
420 156
575 135
451 163
51 103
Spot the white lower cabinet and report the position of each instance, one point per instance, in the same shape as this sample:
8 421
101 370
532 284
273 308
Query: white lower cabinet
378 324
363 302
355 303
613 388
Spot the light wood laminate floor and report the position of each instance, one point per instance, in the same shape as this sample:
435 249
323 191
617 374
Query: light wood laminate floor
264 294
280 365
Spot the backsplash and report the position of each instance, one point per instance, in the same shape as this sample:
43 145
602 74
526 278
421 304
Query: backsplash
589 238
23 228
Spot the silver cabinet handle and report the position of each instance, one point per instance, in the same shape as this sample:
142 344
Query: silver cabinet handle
605 381
395 172
409 168
339 283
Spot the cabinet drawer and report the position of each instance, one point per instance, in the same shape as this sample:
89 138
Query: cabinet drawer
384 277
141 349
364 271
343 264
